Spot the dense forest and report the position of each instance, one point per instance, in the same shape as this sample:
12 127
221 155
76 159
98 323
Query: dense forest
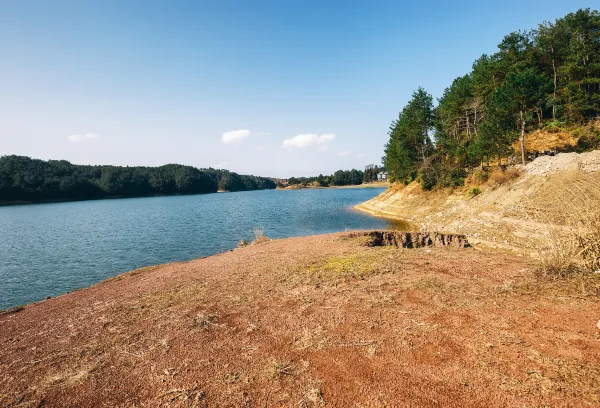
23 179
547 79
339 178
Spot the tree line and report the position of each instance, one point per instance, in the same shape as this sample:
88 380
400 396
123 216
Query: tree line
547 78
23 179
339 178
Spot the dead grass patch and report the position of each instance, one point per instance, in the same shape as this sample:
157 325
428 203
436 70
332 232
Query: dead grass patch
276 370
570 207
358 265
259 236
499 176
188 397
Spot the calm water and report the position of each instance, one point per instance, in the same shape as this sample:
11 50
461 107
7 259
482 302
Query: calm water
49 249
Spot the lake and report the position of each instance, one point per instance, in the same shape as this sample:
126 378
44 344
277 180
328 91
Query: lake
50 249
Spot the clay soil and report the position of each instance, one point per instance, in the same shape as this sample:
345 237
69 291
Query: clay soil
313 321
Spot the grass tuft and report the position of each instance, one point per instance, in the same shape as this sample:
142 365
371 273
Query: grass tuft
259 236
571 208
500 176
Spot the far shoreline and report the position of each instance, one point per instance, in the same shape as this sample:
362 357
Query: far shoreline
364 185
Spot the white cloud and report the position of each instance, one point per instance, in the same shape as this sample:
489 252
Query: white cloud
300 141
259 148
306 140
344 153
221 165
360 155
327 137
235 136
80 137
323 148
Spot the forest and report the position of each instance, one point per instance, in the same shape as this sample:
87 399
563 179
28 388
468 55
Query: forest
339 178
23 179
545 79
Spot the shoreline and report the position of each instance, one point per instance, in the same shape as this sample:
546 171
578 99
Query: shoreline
55 201
364 185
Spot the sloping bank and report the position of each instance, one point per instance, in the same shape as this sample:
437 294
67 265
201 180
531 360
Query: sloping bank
513 215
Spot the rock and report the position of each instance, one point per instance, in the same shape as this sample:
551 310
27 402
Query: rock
598 324
587 162
412 239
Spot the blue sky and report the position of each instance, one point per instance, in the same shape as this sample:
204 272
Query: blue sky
273 88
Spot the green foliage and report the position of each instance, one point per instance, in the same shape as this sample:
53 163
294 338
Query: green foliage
409 142
370 173
339 178
545 78
481 175
26 179
475 191
454 178
555 126
436 173
589 138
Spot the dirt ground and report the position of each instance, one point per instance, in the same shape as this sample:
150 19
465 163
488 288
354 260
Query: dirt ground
312 321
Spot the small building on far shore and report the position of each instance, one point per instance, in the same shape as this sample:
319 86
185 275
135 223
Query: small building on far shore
382 176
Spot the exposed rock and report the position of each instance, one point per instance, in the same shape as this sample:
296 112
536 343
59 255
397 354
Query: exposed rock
412 239
586 162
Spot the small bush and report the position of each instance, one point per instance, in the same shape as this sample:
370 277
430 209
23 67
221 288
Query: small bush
589 140
554 126
481 175
500 177
475 191
243 243
434 172
428 177
454 178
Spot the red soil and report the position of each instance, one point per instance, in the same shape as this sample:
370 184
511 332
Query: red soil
315 321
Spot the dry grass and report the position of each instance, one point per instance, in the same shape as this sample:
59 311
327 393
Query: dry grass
570 207
259 236
499 177
278 369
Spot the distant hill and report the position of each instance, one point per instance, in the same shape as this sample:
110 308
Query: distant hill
27 180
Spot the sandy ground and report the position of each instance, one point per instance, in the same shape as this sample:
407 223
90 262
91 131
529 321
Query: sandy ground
509 216
312 321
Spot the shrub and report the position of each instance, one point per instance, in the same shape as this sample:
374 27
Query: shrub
428 177
481 175
454 178
589 140
434 172
499 176
554 126
475 191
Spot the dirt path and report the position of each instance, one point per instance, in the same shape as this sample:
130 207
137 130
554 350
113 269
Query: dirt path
314 321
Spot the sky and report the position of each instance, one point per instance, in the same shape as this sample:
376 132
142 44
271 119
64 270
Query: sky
273 88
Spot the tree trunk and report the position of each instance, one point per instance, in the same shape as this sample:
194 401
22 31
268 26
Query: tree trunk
523 137
555 84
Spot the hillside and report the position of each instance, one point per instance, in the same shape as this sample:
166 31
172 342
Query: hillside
514 213
311 322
